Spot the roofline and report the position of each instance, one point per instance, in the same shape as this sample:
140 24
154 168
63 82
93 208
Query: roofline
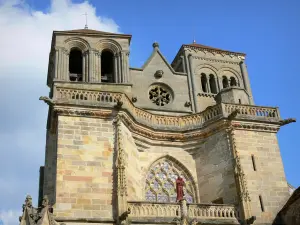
105 34
214 50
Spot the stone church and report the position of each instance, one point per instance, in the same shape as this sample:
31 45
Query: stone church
118 138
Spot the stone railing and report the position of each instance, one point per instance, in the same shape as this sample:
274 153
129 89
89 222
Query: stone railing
188 122
155 209
150 209
212 211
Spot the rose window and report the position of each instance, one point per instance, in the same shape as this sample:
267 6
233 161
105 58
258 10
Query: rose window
160 95
160 182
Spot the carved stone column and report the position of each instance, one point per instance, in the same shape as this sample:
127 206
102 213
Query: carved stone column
99 67
124 72
120 79
83 67
246 81
208 84
87 71
194 94
116 80
189 81
91 74
96 66
67 65
127 67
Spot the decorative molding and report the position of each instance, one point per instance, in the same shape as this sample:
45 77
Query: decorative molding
216 60
206 94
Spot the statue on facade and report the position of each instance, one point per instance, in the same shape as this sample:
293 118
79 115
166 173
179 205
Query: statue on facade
179 188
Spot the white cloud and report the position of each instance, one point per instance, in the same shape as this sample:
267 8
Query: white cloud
25 43
9 217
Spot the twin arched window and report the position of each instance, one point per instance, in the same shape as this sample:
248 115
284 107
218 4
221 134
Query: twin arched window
208 85
160 182
232 82
77 64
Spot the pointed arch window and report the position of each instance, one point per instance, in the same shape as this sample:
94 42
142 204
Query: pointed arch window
160 182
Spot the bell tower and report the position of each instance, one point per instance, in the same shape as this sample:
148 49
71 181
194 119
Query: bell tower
89 56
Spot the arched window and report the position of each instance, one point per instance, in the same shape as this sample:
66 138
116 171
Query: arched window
160 182
204 82
107 66
212 84
75 65
225 82
233 81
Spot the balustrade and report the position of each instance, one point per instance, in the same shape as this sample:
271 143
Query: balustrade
187 122
151 209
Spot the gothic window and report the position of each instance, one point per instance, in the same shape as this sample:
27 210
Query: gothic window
233 81
204 82
160 182
75 65
160 95
107 66
225 82
212 84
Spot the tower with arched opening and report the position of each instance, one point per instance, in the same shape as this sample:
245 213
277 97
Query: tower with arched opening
118 138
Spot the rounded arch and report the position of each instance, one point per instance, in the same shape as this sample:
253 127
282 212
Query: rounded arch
77 43
108 44
229 72
201 68
160 178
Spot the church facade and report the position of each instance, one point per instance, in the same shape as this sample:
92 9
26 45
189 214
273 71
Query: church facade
119 137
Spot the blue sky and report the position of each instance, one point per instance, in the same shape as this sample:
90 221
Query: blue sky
267 31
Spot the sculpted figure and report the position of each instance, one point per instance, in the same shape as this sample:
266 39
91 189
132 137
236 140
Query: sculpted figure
179 188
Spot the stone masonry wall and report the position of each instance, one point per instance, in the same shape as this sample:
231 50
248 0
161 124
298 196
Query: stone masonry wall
50 166
215 170
133 169
269 179
84 168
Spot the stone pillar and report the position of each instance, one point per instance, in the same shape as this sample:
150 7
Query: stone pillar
120 75
56 64
91 75
59 64
67 73
208 84
116 80
83 67
87 74
217 83
124 72
128 80
99 67
189 81
246 81
194 94
96 61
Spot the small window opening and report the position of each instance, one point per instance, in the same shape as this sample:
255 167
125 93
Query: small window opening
232 81
261 203
204 82
225 82
240 102
212 84
253 162
218 201
75 65
107 66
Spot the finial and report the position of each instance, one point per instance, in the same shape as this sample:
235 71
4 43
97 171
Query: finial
86 26
155 45
194 41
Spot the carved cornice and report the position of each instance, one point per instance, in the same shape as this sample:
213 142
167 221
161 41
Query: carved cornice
255 126
216 60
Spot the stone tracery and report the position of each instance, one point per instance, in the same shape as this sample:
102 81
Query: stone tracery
160 182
